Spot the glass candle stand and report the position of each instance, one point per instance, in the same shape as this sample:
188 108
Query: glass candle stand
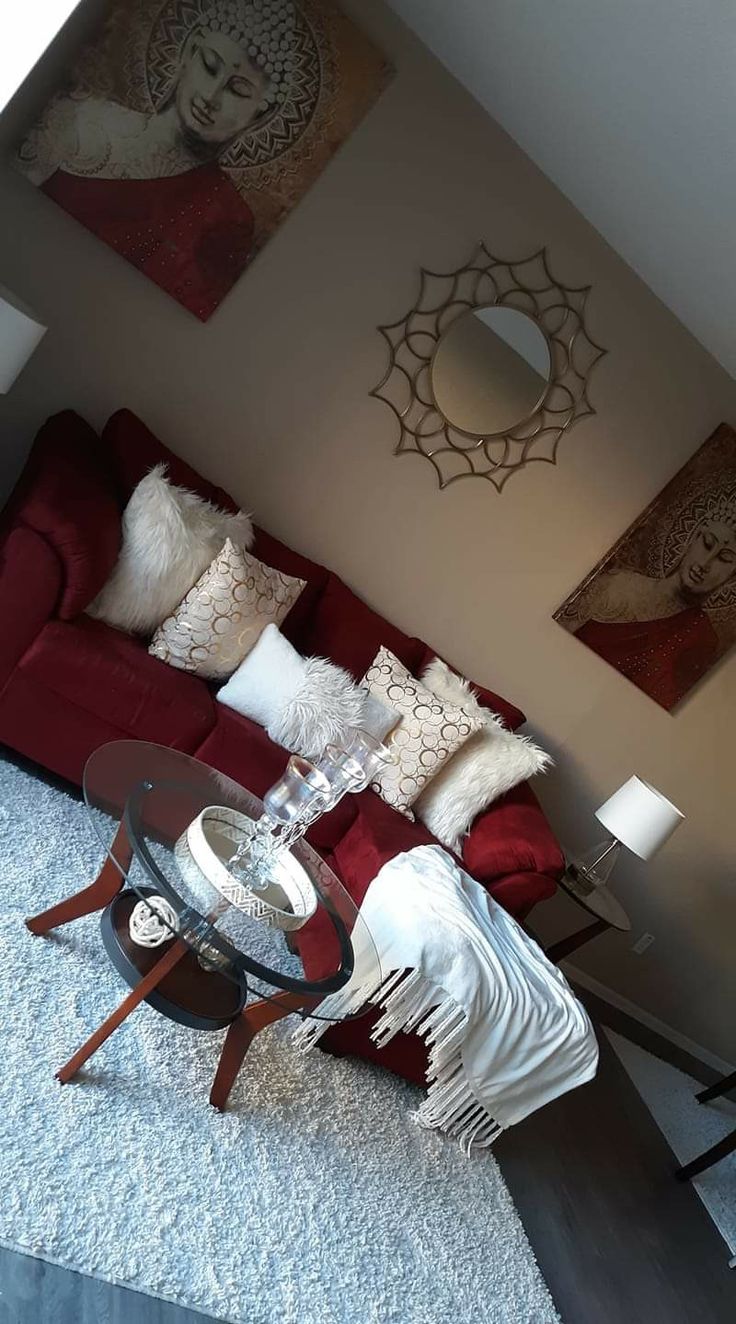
300 797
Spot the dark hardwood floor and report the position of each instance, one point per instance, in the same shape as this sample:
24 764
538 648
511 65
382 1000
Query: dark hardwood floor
618 1240
32 1292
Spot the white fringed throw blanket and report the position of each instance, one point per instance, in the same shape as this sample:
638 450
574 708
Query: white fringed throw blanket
504 1031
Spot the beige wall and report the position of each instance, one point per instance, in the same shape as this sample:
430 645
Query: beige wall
271 399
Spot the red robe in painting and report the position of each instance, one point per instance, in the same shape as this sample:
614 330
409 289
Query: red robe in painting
190 233
664 658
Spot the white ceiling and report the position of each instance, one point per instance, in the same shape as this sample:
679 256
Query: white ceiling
629 106
31 28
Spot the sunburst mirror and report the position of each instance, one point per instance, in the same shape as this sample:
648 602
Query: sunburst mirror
489 368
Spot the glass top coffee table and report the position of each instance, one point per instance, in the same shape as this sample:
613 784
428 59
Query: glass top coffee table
192 954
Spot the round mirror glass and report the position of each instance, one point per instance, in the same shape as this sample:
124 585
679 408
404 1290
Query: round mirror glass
490 370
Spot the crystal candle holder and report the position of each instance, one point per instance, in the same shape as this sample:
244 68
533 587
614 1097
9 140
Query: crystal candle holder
295 793
369 752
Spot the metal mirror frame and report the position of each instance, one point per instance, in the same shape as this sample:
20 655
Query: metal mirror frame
406 387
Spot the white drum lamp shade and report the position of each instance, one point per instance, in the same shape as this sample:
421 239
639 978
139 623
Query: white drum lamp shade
20 333
640 817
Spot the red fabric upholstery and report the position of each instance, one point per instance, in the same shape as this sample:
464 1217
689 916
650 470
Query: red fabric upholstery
344 629
377 835
134 450
111 675
274 553
512 837
57 734
66 496
30 588
513 717
519 893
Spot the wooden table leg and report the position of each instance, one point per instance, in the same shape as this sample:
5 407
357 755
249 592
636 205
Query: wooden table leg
177 950
559 950
241 1034
99 894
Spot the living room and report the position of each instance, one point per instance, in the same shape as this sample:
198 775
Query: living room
278 399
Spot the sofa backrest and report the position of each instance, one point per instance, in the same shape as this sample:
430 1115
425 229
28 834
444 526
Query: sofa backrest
327 620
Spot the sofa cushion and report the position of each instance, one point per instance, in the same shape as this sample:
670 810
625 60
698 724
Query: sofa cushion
376 835
68 496
512 716
110 674
135 449
349 633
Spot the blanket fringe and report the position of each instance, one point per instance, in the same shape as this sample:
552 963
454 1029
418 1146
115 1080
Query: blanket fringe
410 1002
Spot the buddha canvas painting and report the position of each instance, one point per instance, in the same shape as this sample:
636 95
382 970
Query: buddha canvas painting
661 606
190 129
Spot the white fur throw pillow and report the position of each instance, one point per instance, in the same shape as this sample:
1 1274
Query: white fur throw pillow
492 762
304 703
170 536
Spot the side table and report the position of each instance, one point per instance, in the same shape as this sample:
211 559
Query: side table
597 901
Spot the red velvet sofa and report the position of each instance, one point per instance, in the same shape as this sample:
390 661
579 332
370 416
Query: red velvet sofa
69 683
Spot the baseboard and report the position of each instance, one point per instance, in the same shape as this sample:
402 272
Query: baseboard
653 1023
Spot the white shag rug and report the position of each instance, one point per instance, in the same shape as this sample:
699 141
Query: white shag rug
313 1200
688 1126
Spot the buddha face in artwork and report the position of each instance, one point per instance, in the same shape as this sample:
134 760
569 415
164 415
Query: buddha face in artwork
710 559
220 91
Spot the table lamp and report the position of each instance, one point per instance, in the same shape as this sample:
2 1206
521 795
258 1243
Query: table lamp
636 816
20 333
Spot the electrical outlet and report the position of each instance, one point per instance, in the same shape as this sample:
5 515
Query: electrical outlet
644 942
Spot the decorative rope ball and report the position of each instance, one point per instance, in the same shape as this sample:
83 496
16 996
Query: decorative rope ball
152 922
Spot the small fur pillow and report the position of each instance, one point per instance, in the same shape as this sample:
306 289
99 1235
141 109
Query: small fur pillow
492 762
170 536
224 614
429 733
304 703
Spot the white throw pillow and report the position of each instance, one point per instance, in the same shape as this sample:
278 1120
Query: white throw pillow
224 614
304 703
491 763
266 679
170 536
429 733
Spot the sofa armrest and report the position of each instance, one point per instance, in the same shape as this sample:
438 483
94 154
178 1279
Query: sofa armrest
519 893
66 493
513 837
30 587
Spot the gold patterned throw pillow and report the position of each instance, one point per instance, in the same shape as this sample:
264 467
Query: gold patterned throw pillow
224 614
429 733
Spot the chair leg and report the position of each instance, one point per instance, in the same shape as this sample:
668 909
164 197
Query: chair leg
715 1091
129 1004
712 1155
241 1034
99 894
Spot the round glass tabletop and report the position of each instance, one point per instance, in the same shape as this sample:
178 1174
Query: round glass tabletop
143 800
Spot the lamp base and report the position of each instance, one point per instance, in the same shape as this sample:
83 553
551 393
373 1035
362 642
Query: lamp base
594 868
